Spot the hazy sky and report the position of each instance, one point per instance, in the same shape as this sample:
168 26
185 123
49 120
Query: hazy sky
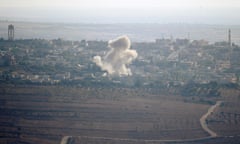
123 11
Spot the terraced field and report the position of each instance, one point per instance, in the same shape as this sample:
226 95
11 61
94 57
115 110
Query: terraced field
226 120
41 114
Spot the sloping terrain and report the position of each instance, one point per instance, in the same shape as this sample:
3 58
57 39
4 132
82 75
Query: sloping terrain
44 114
226 119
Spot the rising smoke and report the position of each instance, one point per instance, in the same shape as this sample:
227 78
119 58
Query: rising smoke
118 57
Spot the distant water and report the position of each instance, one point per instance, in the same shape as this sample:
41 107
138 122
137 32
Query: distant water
136 32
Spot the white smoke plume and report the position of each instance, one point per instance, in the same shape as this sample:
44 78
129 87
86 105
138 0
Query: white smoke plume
118 57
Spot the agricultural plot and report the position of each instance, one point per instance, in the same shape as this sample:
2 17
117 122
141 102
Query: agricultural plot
226 119
44 114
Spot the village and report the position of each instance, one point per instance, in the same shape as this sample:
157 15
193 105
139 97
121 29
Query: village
56 82
164 61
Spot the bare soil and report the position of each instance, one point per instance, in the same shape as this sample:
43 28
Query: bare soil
44 114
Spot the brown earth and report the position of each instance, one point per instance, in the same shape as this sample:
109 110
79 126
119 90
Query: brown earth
226 119
44 114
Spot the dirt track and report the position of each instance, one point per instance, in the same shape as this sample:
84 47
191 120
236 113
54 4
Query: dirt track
204 117
202 122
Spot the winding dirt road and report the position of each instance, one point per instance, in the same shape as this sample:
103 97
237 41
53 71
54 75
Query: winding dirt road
204 117
65 139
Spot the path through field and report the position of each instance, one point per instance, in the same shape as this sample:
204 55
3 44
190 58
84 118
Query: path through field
202 122
204 117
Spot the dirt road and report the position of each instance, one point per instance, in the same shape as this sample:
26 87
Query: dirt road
65 139
204 117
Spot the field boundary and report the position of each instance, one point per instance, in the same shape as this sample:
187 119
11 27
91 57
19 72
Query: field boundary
66 139
204 117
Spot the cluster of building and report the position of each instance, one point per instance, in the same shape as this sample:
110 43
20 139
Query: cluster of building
165 61
181 60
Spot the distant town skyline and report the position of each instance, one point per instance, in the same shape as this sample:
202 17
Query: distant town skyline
124 11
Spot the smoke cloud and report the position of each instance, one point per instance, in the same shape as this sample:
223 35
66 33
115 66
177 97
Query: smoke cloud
118 57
